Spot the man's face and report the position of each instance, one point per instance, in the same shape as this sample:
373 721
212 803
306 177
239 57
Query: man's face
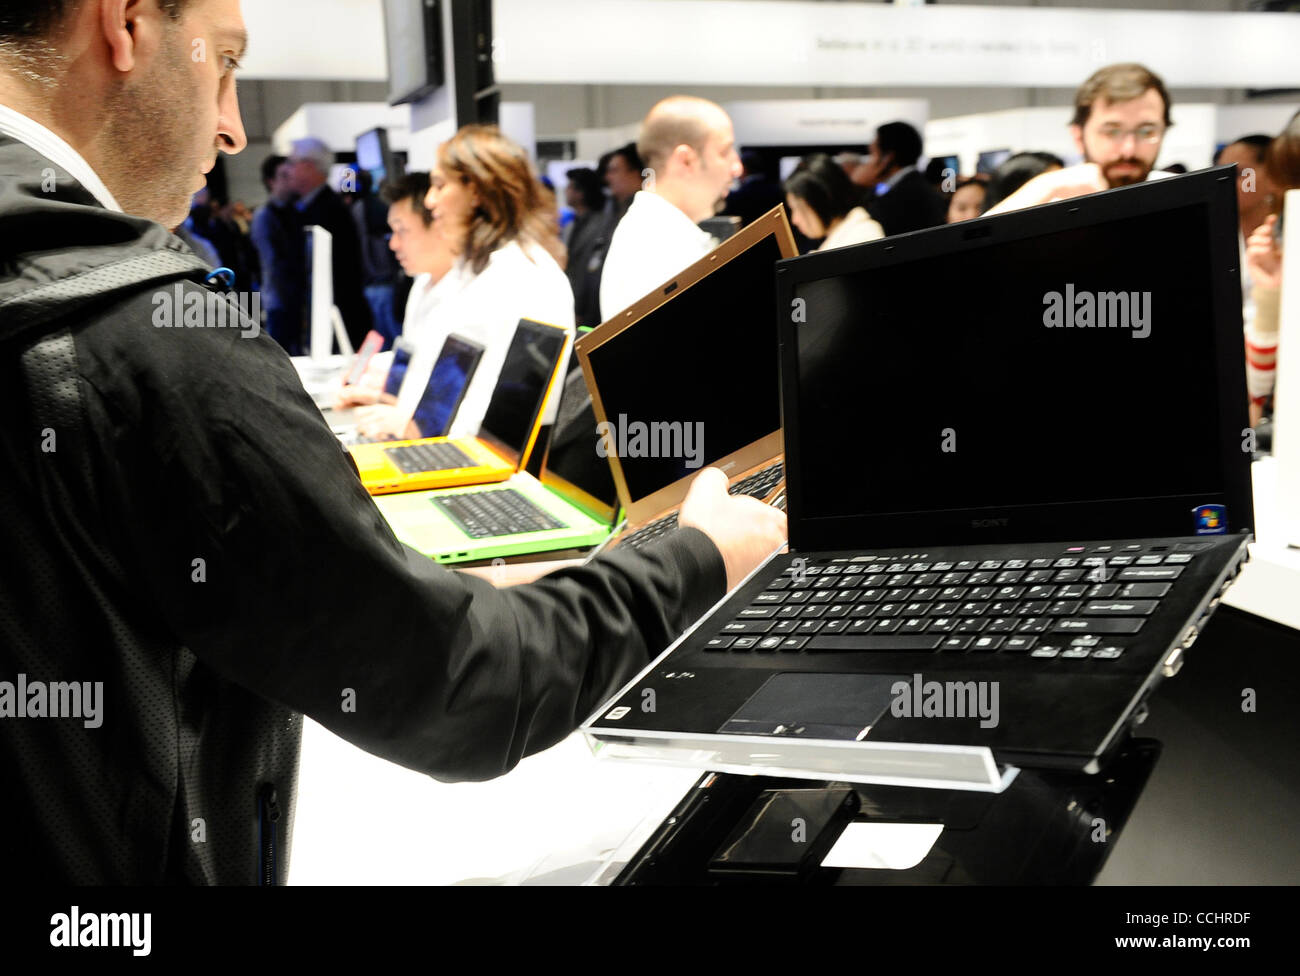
719 164
622 179
419 249
1123 138
172 107
304 176
282 186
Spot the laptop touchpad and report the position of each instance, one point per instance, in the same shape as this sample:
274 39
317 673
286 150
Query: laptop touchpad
815 706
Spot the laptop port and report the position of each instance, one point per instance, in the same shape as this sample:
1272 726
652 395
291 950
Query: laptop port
1173 663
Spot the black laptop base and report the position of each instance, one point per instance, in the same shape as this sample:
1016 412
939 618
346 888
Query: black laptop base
1031 650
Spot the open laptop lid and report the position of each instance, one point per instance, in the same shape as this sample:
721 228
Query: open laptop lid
573 468
442 397
693 364
403 350
955 366
514 413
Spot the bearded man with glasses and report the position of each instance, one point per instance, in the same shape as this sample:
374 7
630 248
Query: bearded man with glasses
1121 115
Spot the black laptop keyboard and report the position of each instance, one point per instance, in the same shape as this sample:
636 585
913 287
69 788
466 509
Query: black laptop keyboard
414 458
757 485
1071 607
502 511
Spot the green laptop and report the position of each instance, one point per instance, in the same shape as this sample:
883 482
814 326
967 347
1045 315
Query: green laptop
574 505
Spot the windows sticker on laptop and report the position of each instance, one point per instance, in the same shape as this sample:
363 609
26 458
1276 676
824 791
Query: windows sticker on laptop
1211 519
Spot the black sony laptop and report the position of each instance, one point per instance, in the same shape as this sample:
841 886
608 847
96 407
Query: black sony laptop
1016 490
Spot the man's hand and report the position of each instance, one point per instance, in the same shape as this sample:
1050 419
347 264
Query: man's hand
1263 257
382 422
1059 184
744 529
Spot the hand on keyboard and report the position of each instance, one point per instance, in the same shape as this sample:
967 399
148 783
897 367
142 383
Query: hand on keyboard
744 529
381 422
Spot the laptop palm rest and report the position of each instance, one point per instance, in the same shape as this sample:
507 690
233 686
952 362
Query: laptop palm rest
815 706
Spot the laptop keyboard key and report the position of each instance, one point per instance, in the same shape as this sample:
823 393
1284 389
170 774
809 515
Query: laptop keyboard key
874 642
1100 625
1119 608
1019 644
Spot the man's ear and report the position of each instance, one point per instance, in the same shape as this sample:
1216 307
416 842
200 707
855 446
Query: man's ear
117 23
1076 133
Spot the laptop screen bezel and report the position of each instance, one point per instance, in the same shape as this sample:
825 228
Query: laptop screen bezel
1133 518
768 446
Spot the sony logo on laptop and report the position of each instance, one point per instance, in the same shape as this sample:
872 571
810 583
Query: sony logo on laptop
989 523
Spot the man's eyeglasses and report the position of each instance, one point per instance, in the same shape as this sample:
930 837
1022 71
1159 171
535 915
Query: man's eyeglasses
1143 134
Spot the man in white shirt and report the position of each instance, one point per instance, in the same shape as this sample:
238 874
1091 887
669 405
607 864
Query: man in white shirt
689 148
1121 115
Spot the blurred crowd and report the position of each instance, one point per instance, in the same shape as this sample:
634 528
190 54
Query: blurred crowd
481 240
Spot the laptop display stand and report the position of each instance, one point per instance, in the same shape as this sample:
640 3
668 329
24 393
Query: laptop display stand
1047 827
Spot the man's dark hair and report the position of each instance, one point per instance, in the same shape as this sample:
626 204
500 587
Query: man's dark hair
413 187
269 166
821 183
1259 143
1118 83
38 18
590 184
900 139
631 157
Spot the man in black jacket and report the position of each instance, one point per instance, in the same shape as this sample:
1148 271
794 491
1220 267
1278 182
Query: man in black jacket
906 200
318 205
191 563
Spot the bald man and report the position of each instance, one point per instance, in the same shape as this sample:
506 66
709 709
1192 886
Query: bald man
689 149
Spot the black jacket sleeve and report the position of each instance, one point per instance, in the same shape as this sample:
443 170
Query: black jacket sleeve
245 531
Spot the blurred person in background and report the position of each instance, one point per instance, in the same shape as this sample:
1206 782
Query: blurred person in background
310 163
1256 195
499 224
1017 170
586 238
379 268
422 253
755 194
1121 115
689 146
823 205
276 232
1264 262
967 201
903 201
1256 199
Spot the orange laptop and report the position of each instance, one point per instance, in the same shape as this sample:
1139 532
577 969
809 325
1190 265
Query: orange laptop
689 377
505 440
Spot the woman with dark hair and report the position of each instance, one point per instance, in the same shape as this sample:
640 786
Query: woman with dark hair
1016 171
823 204
500 225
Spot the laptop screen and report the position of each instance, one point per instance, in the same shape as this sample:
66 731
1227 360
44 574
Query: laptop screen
521 386
573 466
402 350
707 360
1074 365
447 385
